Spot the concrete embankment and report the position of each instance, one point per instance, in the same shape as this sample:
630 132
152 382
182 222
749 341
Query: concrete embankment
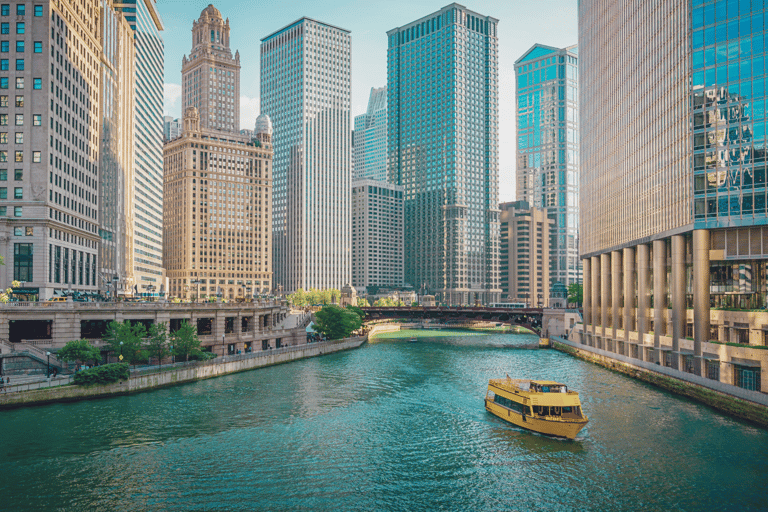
153 379
751 406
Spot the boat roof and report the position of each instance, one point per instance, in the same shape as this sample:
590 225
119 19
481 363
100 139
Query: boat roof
547 383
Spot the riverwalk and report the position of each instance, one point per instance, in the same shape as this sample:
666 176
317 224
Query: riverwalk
148 378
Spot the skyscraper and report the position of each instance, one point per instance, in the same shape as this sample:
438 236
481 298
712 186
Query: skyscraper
442 88
370 139
210 76
147 182
217 181
171 128
673 184
306 91
548 148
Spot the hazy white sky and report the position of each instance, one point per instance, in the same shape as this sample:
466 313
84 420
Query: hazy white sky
522 23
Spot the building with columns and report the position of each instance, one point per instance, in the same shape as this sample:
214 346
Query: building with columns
673 185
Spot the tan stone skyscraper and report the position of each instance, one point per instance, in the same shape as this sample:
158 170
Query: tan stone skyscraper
210 76
217 185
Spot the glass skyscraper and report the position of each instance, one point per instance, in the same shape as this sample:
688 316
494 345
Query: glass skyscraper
147 212
673 189
442 86
306 92
370 139
548 149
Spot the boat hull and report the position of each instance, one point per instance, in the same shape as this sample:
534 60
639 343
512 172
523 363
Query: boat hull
558 428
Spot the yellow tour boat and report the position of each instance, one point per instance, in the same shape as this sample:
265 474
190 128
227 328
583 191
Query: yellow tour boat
543 406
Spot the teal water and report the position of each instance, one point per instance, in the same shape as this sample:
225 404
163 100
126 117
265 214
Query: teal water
391 426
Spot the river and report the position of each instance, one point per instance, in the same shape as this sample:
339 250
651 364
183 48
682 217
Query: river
391 426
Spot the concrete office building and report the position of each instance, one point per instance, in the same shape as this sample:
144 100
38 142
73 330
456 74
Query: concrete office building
370 139
306 91
148 276
442 100
171 128
547 117
377 235
524 255
673 190
217 183
51 136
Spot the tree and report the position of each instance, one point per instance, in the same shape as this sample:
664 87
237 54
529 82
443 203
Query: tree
298 298
127 340
313 296
325 297
336 322
335 295
79 351
157 342
185 341
359 312
363 303
575 293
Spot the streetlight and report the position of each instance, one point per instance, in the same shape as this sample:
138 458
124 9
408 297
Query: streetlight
173 356
115 279
222 345
121 351
48 371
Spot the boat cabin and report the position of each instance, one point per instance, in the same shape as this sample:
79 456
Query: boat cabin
547 386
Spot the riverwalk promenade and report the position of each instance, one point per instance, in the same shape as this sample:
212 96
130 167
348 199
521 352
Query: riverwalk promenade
61 389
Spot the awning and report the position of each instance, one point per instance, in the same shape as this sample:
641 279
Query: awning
744 362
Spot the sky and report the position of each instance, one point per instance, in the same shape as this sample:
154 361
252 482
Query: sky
522 23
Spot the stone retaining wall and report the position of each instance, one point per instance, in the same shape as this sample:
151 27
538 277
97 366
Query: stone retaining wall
176 376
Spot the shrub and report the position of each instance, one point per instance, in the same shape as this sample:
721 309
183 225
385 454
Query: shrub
201 355
104 374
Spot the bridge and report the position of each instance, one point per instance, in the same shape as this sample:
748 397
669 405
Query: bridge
529 318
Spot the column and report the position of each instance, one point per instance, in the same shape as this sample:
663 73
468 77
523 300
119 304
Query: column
605 289
629 294
701 316
659 295
677 293
596 299
587 297
616 291
643 295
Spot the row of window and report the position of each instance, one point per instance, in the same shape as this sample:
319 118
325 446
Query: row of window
37 119
18 193
21 10
5 27
37 83
18 155
20 46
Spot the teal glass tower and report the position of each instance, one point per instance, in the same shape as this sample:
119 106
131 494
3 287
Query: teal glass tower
548 149
442 147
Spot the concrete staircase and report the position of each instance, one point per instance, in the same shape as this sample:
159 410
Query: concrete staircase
16 350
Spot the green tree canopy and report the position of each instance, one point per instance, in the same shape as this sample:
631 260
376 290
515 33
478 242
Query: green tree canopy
363 303
79 351
336 322
127 340
359 312
335 295
575 293
298 298
157 341
185 341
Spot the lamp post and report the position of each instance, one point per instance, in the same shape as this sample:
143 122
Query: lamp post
222 346
121 351
115 279
48 371
539 300
173 356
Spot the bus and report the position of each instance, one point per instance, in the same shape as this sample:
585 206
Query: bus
509 305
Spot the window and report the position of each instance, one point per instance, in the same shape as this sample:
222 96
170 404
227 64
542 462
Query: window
18 211
3 64
3 211
18 175
29 231
4 100
3 155
5 28
19 101
21 9
19 231
36 158
4 46
18 193
19 119
22 262
19 82
37 120
38 10
3 119
38 47
4 82
3 174
19 64
19 156
3 192
19 46
37 83
20 27
19 137
5 9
